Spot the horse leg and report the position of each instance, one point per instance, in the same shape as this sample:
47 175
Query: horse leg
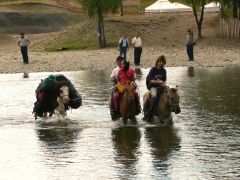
58 114
44 115
134 121
124 119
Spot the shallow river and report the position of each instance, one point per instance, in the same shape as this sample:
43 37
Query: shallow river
202 143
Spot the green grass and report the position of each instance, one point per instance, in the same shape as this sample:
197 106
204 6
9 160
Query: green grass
84 35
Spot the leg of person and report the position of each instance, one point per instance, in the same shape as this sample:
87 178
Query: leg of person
139 54
191 52
116 103
135 56
137 102
153 100
121 51
124 53
26 55
23 53
188 52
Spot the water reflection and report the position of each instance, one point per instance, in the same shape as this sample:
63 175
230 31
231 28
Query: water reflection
25 75
126 144
191 71
163 142
218 90
139 73
58 138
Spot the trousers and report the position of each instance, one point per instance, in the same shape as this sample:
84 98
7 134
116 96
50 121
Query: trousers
24 52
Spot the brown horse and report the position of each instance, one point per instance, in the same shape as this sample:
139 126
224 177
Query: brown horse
168 102
127 103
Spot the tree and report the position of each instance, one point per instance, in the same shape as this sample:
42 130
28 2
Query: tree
195 4
100 6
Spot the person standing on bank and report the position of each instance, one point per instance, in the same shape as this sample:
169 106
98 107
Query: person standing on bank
123 46
190 45
137 45
23 43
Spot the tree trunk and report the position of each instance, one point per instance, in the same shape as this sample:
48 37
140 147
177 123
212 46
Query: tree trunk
199 23
101 33
235 13
221 10
121 10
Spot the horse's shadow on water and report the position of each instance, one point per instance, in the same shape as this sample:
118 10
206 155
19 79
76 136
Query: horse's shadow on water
126 142
57 134
163 141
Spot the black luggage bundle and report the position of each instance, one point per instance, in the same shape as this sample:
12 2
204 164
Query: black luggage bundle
45 87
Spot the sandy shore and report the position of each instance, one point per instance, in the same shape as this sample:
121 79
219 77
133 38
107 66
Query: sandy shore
11 62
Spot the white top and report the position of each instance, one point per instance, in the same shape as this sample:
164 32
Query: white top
23 41
137 42
114 72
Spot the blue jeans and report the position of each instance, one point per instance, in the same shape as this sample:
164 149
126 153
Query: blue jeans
123 50
24 52
190 52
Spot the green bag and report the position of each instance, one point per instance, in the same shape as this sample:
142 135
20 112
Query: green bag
47 84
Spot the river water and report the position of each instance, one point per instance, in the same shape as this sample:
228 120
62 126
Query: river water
202 143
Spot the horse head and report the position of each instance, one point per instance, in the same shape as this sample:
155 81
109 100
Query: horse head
129 91
174 99
62 91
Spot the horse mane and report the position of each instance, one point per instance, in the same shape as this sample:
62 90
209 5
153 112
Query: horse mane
173 90
57 85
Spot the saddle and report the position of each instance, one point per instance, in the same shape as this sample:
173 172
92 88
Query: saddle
160 90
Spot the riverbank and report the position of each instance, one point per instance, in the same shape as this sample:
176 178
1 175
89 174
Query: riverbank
205 56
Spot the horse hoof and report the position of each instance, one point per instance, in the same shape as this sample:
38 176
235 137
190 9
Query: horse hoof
61 119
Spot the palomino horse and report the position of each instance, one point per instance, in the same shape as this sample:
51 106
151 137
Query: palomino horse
168 102
127 103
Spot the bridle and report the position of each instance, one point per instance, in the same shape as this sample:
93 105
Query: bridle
128 98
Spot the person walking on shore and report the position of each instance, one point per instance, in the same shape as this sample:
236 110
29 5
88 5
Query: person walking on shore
123 46
189 45
23 43
137 45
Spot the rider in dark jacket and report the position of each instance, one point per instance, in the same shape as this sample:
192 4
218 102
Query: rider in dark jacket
157 78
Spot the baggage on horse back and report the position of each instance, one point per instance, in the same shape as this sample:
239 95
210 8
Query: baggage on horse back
43 95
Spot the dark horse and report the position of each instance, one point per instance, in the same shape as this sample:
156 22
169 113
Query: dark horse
54 101
168 102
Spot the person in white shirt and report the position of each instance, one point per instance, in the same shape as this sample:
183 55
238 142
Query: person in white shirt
137 45
23 43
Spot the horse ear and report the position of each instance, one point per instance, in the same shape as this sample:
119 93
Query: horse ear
177 87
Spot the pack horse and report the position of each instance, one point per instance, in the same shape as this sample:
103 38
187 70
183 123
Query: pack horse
55 95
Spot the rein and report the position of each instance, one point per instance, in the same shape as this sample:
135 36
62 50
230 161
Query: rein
169 99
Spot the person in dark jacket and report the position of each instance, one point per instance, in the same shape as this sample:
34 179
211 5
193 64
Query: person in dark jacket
157 78
189 45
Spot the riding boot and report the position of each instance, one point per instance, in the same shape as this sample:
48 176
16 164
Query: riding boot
138 109
150 111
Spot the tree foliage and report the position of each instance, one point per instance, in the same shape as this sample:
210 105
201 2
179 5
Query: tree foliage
100 7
